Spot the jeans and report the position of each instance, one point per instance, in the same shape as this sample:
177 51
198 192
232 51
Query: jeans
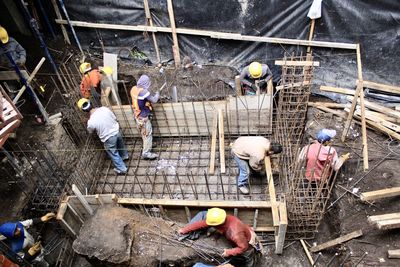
146 131
200 216
116 150
244 170
199 264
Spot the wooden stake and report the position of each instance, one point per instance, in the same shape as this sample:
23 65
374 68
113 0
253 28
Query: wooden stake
310 259
311 35
221 140
213 143
149 20
175 47
337 241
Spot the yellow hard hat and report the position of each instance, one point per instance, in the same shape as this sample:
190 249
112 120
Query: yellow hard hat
85 67
3 35
84 104
215 216
255 70
107 70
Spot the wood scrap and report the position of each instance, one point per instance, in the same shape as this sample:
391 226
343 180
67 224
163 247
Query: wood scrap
337 90
337 241
382 87
382 217
310 259
378 194
388 224
394 254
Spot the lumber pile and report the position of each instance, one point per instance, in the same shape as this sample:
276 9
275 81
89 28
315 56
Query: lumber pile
385 221
377 116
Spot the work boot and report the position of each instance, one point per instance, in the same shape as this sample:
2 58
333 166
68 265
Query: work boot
244 189
118 172
149 156
125 158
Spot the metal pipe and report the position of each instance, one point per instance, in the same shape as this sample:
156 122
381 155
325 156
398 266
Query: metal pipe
346 258
332 259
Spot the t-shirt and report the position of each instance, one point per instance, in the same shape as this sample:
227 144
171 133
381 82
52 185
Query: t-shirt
252 148
104 122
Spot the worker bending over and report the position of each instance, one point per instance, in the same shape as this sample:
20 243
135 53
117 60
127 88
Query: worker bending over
95 82
250 151
321 158
141 103
255 78
103 121
11 47
16 236
234 230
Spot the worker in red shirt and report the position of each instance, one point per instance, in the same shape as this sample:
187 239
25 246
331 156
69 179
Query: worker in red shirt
234 230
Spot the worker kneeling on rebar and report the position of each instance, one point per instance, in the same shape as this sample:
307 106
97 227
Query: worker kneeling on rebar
321 159
255 78
20 241
250 151
241 235
103 121
141 103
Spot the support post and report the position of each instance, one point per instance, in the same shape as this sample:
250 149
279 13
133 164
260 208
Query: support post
149 21
175 47
238 87
221 140
213 143
58 14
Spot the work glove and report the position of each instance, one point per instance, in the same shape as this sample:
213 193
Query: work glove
35 249
47 217
224 255
345 156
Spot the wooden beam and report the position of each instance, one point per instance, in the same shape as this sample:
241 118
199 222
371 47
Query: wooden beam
82 199
271 191
175 47
379 108
59 17
310 259
149 20
328 105
281 233
337 90
382 217
388 224
383 129
221 140
212 34
238 86
296 63
380 120
394 254
194 203
382 87
311 34
213 143
337 241
378 194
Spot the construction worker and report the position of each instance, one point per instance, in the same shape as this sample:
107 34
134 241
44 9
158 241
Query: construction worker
17 237
103 121
141 103
250 151
234 230
321 158
255 78
11 47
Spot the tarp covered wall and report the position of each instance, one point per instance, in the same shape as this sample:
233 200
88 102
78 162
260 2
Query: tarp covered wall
373 24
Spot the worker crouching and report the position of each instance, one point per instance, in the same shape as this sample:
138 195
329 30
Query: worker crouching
249 152
141 103
103 121
241 235
254 78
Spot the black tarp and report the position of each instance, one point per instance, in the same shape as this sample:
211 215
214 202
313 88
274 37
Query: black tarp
373 24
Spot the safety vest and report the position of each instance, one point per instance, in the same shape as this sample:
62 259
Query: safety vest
139 103
90 81
4 262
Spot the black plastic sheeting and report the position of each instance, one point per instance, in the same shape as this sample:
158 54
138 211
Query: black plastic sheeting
373 24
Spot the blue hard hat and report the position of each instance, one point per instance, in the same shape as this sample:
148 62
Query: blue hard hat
325 135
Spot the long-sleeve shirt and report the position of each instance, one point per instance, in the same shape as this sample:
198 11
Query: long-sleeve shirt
233 229
252 148
320 161
245 77
104 122
8 232
16 51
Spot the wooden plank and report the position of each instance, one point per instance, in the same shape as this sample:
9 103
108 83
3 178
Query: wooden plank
296 63
378 194
328 105
149 20
283 222
384 129
310 259
238 86
29 80
382 87
177 57
221 140
58 14
82 199
380 120
271 191
379 108
311 35
213 143
382 217
394 254
337 241
337 90
211 34
194 203
388 224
